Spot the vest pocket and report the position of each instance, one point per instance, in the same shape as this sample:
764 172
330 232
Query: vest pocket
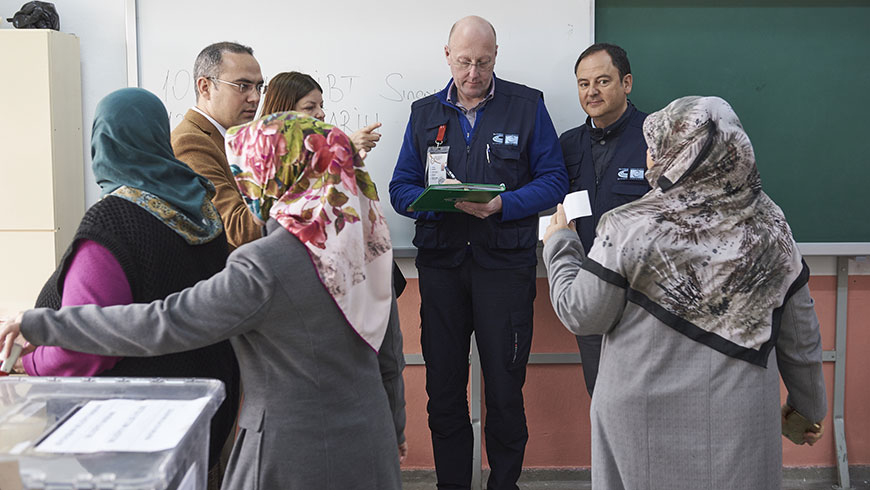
626 193
503 166
635 190
573 161
432 132
426 234
511 235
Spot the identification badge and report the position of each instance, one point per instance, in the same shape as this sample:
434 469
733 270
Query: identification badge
436 165
637 174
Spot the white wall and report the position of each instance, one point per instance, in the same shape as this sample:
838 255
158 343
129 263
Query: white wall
100 27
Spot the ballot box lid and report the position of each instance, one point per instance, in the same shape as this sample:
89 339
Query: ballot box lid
107 433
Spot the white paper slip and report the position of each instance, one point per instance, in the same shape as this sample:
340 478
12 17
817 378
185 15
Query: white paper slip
124 426
576 205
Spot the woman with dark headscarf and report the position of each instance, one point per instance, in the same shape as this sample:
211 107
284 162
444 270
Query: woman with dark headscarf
306 309
693 286
154 232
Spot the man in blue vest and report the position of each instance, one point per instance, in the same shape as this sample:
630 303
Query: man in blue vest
606 156
477 266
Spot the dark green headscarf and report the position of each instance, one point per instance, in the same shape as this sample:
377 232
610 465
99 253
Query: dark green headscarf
133 159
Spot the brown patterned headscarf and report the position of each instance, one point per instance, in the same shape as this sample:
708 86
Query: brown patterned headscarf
706 251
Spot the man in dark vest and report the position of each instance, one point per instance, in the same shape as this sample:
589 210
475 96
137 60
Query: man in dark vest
477 266
606 156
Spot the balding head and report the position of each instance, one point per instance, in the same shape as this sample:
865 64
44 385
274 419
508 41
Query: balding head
470 51
472 25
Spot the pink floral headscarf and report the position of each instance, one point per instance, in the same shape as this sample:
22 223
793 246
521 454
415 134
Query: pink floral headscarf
306 175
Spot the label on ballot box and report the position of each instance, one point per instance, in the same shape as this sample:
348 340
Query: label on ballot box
108 433
124 426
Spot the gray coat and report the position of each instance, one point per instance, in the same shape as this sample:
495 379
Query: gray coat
316 414
671 413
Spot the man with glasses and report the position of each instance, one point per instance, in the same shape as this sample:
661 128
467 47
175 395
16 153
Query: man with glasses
228 85
477 266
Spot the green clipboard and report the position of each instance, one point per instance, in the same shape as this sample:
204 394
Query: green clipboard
442 197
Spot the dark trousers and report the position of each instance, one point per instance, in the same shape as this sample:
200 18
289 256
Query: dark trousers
497 305
590 355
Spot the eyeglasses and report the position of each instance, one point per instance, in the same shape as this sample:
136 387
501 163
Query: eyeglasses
466 65
243 88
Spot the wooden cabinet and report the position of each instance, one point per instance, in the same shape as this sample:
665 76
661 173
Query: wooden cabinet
41 169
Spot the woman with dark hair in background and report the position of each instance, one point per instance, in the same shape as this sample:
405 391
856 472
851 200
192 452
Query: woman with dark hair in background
294 91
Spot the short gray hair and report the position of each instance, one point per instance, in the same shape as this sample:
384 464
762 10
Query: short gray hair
208 61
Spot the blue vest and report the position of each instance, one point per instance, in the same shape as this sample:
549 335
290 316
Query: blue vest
503 129
618 185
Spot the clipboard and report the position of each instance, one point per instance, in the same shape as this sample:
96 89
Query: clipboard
442 197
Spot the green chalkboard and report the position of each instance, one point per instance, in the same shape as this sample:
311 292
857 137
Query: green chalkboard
797 75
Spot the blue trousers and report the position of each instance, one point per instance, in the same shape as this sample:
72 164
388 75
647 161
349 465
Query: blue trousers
497 305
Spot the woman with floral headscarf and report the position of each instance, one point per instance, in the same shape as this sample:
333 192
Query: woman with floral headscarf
693 286
305 307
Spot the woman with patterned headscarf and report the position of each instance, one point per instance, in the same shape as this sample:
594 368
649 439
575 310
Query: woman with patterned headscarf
154 232
693 286
305 307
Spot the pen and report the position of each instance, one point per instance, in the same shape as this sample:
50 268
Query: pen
450 174
487 154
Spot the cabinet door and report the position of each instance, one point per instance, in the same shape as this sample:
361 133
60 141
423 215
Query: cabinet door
28 261
27 184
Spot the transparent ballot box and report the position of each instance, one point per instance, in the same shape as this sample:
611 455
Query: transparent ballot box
106 433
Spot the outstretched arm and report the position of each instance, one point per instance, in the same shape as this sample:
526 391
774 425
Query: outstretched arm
232 302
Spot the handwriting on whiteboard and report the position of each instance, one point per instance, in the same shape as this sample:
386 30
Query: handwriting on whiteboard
346 92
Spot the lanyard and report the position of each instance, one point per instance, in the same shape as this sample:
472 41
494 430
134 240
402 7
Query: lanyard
440 138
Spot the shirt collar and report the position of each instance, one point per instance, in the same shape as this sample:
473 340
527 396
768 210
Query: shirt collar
612 130
453 99
216 124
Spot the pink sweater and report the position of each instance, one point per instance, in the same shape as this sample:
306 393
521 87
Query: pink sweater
94 277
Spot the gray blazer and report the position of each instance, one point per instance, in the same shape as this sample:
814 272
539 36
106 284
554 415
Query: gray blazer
671 413
316 414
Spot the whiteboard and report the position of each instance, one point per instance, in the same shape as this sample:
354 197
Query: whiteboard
371 58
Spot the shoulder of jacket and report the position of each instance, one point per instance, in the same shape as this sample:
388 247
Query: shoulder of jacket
573 133
514 89
637 118
425 101
193 139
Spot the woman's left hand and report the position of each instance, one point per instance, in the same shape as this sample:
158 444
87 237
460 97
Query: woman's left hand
558 222
366 138
812 435
10 333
